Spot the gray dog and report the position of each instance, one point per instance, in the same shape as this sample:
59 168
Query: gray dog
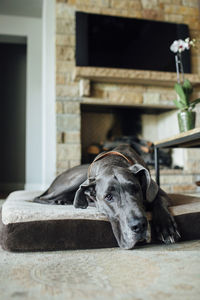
119 184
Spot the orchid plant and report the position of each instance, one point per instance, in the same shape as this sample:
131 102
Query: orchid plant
183 87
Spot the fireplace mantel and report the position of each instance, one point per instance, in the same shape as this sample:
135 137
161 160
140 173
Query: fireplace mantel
153 78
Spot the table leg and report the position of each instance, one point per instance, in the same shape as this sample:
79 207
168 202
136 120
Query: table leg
157 169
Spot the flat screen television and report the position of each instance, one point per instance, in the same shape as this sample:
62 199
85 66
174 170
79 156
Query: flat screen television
127 43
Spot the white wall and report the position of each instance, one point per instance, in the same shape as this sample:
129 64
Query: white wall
149 127
26 8
162 126
167 127
48 93
40 96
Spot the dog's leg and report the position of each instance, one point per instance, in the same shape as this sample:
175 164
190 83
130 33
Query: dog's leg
57 199
63 188
163 222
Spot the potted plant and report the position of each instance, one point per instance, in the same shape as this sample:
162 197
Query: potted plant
186 114
183 88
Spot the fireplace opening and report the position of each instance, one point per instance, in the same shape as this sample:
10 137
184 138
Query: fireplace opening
105 127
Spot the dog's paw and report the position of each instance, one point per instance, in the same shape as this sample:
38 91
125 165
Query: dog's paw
53 201
165 227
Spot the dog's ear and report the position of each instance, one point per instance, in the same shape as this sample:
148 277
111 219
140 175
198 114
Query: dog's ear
149 186
80 199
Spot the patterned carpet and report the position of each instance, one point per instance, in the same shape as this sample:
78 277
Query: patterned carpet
148 272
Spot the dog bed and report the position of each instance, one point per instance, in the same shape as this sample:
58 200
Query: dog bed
29 226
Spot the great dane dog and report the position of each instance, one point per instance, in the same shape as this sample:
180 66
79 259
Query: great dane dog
119 184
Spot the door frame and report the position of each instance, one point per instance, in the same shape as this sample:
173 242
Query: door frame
40 93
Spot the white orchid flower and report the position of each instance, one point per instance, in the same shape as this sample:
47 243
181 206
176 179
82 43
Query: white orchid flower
179 46
187 40
192 43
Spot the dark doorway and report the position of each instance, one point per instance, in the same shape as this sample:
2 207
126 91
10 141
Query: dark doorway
12 116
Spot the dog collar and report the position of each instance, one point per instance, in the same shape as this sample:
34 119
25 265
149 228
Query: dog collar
100 156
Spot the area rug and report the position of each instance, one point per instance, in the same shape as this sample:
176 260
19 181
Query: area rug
150 272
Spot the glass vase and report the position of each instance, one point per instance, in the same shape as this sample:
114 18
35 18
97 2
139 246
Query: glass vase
186 120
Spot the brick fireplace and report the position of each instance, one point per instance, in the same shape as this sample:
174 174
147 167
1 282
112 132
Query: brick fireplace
148 92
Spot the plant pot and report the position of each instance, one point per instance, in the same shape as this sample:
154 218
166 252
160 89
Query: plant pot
186 120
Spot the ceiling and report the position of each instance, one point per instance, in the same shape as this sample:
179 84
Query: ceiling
26 8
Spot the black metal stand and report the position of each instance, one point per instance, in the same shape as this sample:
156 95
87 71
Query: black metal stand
189 139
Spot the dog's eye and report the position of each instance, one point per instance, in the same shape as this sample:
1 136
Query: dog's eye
109 197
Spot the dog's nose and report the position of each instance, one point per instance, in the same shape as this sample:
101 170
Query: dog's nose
138 225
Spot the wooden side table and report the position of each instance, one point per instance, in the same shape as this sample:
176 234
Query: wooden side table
189 139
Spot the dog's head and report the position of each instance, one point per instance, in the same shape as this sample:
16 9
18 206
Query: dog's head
120 194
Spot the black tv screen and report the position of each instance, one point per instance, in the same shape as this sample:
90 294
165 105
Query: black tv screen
128 43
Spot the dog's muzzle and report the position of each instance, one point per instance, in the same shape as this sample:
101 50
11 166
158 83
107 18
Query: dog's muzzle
128 234
138 225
